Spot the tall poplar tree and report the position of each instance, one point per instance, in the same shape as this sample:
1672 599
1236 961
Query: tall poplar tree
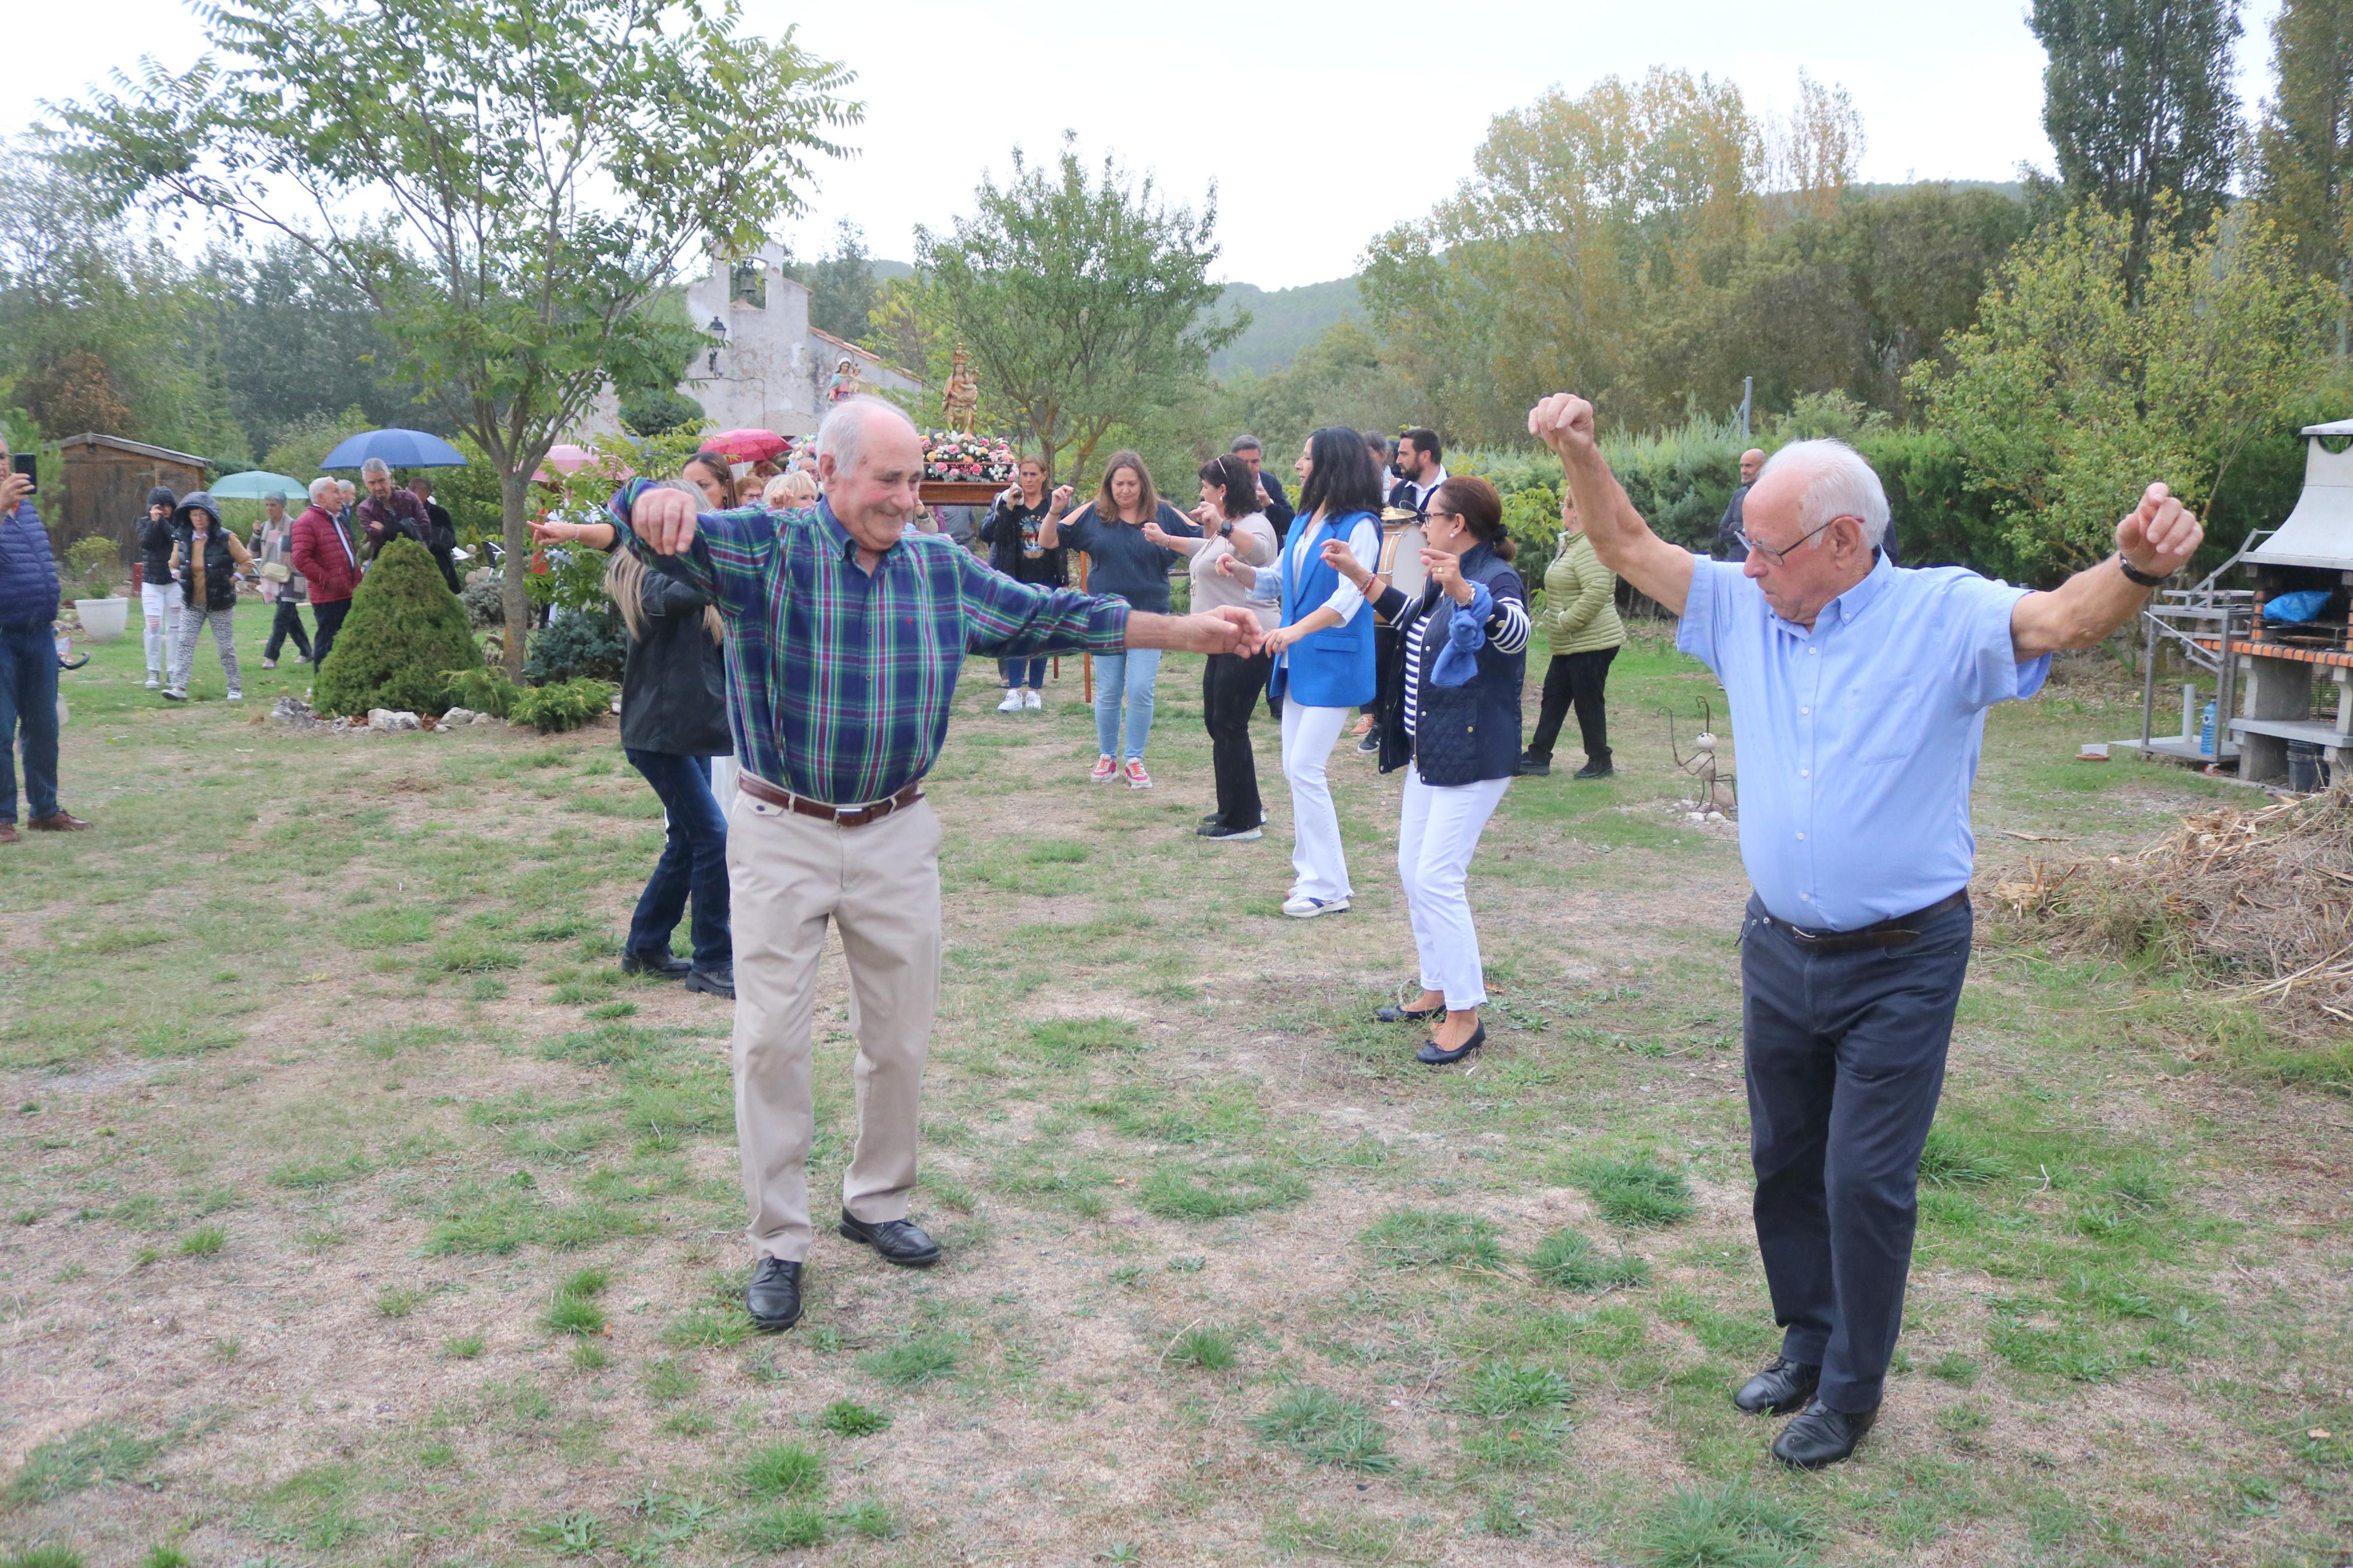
2137 102
2304 149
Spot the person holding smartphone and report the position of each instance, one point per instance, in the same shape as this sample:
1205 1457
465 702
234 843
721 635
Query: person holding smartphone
159 597
1010 531
29 596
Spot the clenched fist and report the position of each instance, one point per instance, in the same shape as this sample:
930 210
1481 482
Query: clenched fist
1563 422
2158 536
664 518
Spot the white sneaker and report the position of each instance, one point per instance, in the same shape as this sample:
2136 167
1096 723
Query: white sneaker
235 695
174 694
269 663
1135 776
154 682
1299 907
1012 703
1033 699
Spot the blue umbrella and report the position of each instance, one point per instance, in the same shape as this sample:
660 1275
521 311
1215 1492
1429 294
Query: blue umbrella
397 448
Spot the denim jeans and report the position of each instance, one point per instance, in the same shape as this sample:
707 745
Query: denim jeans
1018 672
1125 678
693 862
28 696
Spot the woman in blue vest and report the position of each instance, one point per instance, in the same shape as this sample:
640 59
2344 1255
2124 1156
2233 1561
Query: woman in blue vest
1462 657
1323 650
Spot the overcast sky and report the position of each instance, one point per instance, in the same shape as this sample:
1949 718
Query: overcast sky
1322 125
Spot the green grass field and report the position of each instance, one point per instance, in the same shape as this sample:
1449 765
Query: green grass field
360 1211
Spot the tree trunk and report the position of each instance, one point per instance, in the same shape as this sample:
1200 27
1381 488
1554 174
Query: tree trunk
515 535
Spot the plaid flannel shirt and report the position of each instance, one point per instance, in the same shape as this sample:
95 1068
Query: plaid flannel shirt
838 681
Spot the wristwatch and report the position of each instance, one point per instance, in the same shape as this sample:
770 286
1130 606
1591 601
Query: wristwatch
2134 575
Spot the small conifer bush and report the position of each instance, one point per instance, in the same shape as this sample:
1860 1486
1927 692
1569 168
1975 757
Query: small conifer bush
405 632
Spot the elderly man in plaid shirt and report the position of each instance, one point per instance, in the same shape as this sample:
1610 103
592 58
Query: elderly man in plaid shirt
844 635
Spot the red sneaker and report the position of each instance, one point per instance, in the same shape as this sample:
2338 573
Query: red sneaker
1137 777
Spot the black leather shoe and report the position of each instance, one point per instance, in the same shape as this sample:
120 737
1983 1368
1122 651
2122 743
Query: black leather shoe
712 981
773 1296
899 1241
1784 1385
1438 1056
1594 771
1406 1014
1822 1436
667 964
1534 768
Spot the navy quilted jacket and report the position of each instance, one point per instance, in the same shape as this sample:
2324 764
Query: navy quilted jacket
28 573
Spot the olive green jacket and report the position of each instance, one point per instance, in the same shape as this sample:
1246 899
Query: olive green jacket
1581 600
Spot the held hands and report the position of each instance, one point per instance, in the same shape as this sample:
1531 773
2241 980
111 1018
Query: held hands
1156 534
1341 558
1229 629
2158 536
1234 566
1563 422
665 520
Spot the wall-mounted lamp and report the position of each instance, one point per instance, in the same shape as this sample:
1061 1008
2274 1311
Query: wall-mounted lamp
718 329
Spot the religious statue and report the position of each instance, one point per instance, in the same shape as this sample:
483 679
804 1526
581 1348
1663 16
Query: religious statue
846 382
962 403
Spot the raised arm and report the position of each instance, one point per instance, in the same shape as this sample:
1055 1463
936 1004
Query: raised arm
2156 538
1621 539
1050 526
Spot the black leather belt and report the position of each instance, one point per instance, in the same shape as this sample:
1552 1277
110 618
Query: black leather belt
1901 932
759 788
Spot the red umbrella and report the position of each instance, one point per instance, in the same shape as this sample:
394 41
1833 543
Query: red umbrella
747 446
564 458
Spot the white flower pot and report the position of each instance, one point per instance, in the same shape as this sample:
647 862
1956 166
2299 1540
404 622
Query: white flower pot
102 620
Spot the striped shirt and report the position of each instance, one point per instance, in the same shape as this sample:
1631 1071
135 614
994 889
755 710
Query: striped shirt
839 680
1506 631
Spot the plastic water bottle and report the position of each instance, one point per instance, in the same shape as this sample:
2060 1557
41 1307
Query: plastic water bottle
2206 732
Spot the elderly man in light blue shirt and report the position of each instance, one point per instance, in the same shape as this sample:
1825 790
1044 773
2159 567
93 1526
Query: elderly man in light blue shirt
1858 691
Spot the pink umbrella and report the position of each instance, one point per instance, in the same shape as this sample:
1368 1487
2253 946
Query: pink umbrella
747 446
563 459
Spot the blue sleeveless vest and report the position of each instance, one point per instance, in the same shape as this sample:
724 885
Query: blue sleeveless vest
1332 668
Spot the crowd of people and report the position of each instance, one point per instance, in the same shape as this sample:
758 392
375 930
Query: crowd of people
814 640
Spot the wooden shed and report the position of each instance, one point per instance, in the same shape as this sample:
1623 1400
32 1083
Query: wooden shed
105 486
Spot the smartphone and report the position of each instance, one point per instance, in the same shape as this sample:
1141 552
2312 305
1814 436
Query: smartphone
29 466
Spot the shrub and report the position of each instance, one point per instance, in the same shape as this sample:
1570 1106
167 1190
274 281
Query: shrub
405 633
578 643
92 565
485 602
486 690
566 705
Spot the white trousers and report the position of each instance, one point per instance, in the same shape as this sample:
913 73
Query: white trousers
1438 829
160 602
1318 864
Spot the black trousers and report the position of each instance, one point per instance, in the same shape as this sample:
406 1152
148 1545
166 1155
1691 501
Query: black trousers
1578 679
1845 1059
330 616
288 623
1230 685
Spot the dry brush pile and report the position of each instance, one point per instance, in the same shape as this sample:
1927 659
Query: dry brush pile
2255 902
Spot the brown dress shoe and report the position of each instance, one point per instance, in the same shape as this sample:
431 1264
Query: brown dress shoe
57 822
8 834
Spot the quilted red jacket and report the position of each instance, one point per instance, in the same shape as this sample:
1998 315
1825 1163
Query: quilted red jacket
323 554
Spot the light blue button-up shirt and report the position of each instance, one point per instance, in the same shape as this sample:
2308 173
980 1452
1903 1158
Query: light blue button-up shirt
1858 741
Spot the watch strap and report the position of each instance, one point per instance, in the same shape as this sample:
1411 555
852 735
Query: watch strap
2133 574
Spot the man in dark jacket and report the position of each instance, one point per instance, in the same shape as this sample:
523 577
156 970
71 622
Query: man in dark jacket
159 597
1272 500
330 565
28 660
1727 528
440 532
389 512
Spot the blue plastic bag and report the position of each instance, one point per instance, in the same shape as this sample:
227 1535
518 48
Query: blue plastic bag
2290 608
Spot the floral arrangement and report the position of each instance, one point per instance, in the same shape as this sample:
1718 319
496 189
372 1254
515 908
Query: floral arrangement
972 459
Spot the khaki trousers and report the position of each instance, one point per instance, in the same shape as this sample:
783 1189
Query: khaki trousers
787 875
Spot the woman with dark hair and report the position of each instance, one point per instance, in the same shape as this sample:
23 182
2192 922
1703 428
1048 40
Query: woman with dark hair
1322 651
1010 531
1122 560
1231 526
707 471
1456 730
673 722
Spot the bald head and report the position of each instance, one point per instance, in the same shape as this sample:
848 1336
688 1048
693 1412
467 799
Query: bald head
870 463
1750 461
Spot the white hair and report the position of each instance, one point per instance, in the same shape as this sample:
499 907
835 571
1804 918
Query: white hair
843 433
322 487
1838 483
374 466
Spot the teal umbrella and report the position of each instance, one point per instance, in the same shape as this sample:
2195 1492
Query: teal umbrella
260 484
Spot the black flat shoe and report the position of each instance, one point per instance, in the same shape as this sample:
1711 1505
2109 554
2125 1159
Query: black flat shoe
773 1296
1406 1014
712 981
669 965
1589 772
1784 1385
1821 1436
899 1241
1438 1056
1534 769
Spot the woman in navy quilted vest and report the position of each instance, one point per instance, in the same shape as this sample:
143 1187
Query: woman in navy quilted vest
1462 648
1324 663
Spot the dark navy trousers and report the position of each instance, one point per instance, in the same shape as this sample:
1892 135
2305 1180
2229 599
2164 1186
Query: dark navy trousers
1845 1059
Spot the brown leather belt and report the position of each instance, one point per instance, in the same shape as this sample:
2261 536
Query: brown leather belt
759 788
1901 932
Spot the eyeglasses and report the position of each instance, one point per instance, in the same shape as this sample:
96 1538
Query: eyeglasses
1780 557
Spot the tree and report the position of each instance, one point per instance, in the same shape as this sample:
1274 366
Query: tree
1082 302
2303 152
405 636
454 156
2137 102
2071 393
1816 151
842 290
